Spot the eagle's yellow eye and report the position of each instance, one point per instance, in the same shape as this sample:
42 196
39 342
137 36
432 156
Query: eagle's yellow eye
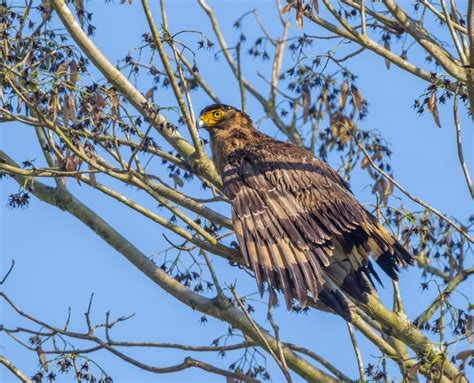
212 117
217 114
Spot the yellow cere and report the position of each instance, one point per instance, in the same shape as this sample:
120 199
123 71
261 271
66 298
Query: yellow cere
212 117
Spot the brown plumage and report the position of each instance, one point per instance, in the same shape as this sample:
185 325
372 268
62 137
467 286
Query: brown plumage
299 227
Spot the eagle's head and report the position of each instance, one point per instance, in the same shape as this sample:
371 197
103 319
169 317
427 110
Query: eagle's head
221 117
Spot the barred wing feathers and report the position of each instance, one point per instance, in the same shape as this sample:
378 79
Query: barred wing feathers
300 228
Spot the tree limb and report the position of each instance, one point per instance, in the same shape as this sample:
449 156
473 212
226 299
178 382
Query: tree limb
14 370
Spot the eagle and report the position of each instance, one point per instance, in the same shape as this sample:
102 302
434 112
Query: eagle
298 225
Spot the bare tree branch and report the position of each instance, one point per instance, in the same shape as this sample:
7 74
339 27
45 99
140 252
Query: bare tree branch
14 370
355 345
457 126
470 68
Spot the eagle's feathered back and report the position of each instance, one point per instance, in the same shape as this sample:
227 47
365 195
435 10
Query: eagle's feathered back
298 225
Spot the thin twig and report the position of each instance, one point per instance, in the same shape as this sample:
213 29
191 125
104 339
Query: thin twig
362 17
213 273
255 327
397 299
198 78
319 359
457 125
8 272
276 329
454 36
360 363
456 23
139 147
241 83
470 68
87 315
164 17
278 60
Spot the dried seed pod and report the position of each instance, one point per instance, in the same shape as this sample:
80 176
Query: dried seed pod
386 45
306 104
433 108
316 6
73 74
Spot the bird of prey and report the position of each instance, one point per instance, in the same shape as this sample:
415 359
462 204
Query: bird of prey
298 225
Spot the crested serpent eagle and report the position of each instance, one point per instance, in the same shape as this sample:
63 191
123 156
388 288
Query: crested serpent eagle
299 226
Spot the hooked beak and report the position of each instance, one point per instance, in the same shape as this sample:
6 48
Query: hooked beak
200 124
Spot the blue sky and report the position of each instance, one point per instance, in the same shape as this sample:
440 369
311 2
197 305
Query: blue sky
59 262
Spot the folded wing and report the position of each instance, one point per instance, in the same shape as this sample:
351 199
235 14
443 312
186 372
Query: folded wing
300 228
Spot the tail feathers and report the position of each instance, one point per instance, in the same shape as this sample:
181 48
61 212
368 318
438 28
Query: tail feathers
403 257
370 272
332 297
391 261
358 284
355 280
388 264
387 251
